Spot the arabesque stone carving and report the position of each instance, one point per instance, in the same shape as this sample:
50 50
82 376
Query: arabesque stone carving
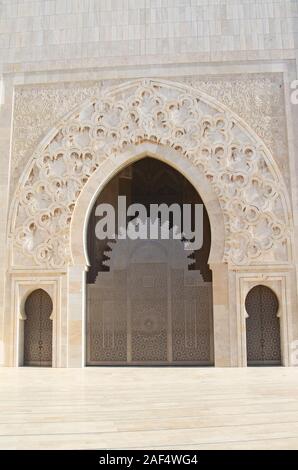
233 159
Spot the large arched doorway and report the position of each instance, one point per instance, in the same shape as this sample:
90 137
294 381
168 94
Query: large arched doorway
38 329
237 176
149 301
262 327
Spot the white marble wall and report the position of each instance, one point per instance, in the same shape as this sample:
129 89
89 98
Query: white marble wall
48 34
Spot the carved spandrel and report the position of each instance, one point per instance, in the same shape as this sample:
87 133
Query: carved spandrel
235 163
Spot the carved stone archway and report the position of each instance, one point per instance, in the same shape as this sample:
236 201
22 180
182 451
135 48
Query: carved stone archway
213 141
111 167
222 157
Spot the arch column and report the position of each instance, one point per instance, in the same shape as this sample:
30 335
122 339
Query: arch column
221 315
76 316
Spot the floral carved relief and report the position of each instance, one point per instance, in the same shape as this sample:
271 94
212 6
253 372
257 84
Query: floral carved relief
219 145
258 100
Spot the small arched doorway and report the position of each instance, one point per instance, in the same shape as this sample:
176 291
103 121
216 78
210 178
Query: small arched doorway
149 302
262 327
38 329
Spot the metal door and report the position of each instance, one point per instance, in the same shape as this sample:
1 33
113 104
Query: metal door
262 327
149 314
38 329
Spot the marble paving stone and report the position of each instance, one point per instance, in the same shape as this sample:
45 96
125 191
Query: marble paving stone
130 408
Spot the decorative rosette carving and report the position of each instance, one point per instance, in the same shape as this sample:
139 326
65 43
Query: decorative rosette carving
232 158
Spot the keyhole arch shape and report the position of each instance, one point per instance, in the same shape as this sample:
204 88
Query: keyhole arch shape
38 329
110 168
263 331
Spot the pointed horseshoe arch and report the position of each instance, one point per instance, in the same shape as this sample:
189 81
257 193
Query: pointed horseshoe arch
110 168
262 327
214 144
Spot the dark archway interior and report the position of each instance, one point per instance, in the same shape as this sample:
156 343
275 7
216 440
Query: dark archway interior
147 181
151 306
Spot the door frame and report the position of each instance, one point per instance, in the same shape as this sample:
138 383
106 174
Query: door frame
280 284
259 289
22 287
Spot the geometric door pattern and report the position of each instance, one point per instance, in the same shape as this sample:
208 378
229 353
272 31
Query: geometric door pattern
150 308
38 329
262 327
149 314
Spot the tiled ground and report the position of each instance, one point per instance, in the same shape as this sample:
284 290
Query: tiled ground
179 408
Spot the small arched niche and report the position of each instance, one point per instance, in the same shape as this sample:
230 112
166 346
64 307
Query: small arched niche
262 327
38 330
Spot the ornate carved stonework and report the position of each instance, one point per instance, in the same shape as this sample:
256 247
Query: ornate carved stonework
258 100
233 159
37 109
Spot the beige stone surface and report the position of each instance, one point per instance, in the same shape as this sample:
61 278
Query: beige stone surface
232 169
264 93
240 56
175 408
122 32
